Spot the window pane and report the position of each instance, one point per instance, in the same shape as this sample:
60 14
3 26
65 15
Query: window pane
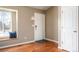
5 19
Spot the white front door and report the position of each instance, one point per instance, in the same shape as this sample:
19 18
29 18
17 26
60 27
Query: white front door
69 28
39 26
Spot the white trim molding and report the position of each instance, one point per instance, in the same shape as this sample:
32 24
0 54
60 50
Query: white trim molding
51 40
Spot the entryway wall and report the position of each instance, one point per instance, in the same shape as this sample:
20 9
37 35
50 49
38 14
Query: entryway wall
52 23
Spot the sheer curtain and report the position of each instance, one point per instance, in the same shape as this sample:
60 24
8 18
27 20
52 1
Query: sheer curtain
5 21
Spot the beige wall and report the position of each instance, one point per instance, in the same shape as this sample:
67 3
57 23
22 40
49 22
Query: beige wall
24 25
52 23
13 21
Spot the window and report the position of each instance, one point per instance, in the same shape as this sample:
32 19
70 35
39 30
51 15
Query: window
5 21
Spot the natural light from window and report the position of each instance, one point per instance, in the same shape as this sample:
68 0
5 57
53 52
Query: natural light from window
5 21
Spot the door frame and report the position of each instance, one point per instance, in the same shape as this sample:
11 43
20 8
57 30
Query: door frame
59 27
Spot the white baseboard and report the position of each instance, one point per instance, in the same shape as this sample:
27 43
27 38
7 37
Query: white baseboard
17 44
51 40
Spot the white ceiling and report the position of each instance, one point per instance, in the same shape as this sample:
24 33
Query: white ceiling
41 7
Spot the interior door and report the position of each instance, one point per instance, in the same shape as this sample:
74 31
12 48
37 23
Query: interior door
69 28
39 26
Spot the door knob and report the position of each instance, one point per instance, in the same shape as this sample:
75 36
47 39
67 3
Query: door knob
74 31
35 26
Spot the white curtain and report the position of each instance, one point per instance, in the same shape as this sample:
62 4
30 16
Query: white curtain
5 21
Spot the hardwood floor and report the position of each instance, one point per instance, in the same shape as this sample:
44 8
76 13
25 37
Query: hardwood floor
38 46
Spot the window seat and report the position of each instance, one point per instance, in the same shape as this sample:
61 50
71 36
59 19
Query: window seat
4 36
